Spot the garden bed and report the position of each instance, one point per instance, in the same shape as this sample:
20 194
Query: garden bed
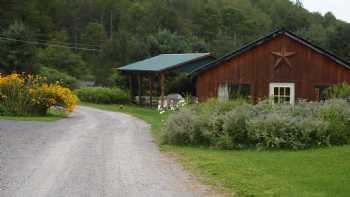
239 125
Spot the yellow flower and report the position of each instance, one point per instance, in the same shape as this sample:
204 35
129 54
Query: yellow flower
40 92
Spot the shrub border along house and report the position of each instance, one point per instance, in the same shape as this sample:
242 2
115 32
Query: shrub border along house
233 125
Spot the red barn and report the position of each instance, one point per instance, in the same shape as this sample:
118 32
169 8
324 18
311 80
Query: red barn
281 65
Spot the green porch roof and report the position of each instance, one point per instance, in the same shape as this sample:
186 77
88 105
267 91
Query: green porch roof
169 61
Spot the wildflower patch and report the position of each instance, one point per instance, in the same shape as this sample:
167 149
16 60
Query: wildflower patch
24 95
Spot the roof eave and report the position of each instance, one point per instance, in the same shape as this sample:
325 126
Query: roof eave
187 62
262 40
205 55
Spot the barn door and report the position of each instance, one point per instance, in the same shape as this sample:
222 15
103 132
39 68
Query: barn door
282 93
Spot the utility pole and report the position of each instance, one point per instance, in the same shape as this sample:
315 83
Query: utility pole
111 26
75 32
102 17
299 3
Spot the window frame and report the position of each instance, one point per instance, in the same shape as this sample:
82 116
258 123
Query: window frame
223 92
291 86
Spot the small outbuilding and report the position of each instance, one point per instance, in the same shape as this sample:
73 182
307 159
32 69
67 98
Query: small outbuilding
153 72
281 65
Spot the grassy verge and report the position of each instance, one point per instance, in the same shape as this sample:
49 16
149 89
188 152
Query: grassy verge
317 172
53 115
321 172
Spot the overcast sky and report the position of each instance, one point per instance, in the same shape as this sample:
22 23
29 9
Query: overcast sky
340 8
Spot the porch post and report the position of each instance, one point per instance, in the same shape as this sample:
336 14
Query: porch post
150 90
162 79
131 88
139 88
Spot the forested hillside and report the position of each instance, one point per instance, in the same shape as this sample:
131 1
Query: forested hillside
85 39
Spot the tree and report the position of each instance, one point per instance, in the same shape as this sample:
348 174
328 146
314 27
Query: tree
94 34
208 23
127 31
119 51
63 60
329 19
339 41
224 43
317 34
17 53
166 42
233 20
299 3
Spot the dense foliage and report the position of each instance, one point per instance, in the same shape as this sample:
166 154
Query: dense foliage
101 95
60 34
235 125
54 75
339 91
31 95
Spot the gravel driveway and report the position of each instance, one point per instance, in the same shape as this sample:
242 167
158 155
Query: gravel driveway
92 153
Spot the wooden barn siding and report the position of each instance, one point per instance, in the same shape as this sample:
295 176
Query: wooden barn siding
256 67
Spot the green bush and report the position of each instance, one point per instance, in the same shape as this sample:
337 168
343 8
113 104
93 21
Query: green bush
101 95
119 80
278 130
181 128
236 124
235 130
337 113
54 75
202 124
341 91
213 106
3 110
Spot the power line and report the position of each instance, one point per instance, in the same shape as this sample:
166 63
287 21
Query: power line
46 44
92 44
59 42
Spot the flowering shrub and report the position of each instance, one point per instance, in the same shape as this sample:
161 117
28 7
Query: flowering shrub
172 106
176 104
48 95
32 95
13 99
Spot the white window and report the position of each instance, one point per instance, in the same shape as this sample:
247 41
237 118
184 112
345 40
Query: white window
223 92
282 93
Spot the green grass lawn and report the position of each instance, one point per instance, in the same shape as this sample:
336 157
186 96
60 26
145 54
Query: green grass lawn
316 172
53 115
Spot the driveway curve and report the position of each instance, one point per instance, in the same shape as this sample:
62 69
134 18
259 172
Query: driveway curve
92 153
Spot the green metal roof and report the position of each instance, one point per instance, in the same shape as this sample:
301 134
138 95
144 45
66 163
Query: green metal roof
164 62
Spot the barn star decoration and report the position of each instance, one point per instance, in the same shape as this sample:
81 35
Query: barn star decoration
283 55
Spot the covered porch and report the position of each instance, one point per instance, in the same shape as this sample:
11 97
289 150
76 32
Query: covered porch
147 78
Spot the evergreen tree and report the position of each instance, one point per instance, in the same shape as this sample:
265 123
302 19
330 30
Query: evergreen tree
17 54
